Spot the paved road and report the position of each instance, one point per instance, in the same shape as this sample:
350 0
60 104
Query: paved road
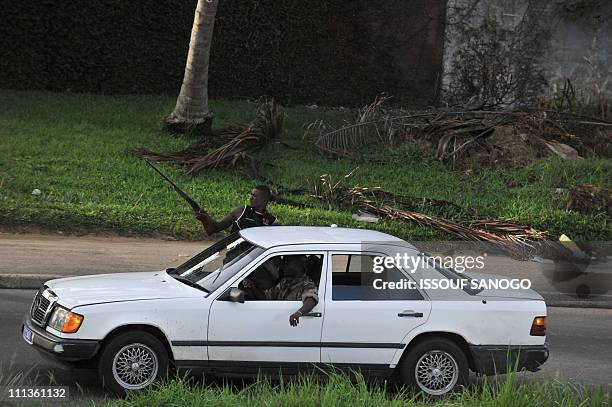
579 340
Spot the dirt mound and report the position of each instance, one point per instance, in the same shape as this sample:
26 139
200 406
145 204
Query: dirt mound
507 146
506 137
588 198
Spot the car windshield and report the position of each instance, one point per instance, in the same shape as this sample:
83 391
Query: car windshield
215 265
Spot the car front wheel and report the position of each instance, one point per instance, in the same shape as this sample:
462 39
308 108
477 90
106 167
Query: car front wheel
132 361
435 366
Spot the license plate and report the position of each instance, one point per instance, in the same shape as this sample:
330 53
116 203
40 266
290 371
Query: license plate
28 335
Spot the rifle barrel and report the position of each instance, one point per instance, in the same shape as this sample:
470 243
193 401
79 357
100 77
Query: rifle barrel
161 173
194 205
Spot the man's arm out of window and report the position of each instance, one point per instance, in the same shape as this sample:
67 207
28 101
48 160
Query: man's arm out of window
211 226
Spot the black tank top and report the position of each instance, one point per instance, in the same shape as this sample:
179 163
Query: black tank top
251 218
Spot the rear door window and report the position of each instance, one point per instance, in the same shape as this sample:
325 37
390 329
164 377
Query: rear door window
353 278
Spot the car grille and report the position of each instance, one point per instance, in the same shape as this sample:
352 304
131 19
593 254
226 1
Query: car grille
41 307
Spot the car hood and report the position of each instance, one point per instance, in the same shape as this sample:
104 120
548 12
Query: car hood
522 294
104 288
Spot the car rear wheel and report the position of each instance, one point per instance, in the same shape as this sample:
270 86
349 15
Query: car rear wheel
132 361
435 366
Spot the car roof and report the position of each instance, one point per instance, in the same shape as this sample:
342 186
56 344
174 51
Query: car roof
270 236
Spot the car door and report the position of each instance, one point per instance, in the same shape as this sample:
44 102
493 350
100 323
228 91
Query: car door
259 330
363 324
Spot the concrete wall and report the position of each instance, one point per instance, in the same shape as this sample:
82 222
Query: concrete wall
580 37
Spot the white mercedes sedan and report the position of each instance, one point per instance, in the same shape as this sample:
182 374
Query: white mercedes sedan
234 309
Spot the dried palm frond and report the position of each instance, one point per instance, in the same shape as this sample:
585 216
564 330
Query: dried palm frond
269 120
345 140
442 150
377 201
372 125
182 157
380 196
509 229
229 146
360 198
230 153
461 134
426 220
192 153
374 111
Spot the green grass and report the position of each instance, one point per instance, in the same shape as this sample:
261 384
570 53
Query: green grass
73 148
338 390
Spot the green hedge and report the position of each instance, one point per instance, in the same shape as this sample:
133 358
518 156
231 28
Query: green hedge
315 51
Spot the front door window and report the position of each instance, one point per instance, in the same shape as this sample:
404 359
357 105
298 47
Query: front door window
259 329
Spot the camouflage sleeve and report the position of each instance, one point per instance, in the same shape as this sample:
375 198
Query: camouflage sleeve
271 293
310 291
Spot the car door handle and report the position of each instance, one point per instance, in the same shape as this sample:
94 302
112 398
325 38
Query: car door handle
410 313
313 314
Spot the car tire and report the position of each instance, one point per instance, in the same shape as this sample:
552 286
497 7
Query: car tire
435 366
132 361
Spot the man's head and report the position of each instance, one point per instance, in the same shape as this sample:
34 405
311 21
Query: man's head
294 266
259 197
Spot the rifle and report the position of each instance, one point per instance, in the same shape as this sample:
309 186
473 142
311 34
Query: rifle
194 205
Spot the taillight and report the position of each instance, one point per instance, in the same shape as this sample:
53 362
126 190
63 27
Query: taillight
538 327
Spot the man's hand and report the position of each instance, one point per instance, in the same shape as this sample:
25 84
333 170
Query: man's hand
309 304
201 215
246 283
294 319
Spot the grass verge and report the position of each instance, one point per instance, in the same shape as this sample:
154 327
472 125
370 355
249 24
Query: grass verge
338 390
73 148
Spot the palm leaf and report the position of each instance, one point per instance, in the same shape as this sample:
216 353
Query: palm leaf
345 140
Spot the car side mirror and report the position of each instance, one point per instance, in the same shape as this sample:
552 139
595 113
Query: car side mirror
234 294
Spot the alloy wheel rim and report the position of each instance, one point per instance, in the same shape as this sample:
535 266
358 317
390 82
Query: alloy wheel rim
436 372
135 366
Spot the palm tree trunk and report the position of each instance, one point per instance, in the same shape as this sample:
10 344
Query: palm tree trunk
192 111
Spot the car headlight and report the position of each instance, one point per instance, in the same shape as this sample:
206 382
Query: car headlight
65 321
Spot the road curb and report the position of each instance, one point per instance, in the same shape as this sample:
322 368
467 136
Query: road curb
26 281
564 300
35 281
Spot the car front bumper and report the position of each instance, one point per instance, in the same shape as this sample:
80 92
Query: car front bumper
62 349
495 359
